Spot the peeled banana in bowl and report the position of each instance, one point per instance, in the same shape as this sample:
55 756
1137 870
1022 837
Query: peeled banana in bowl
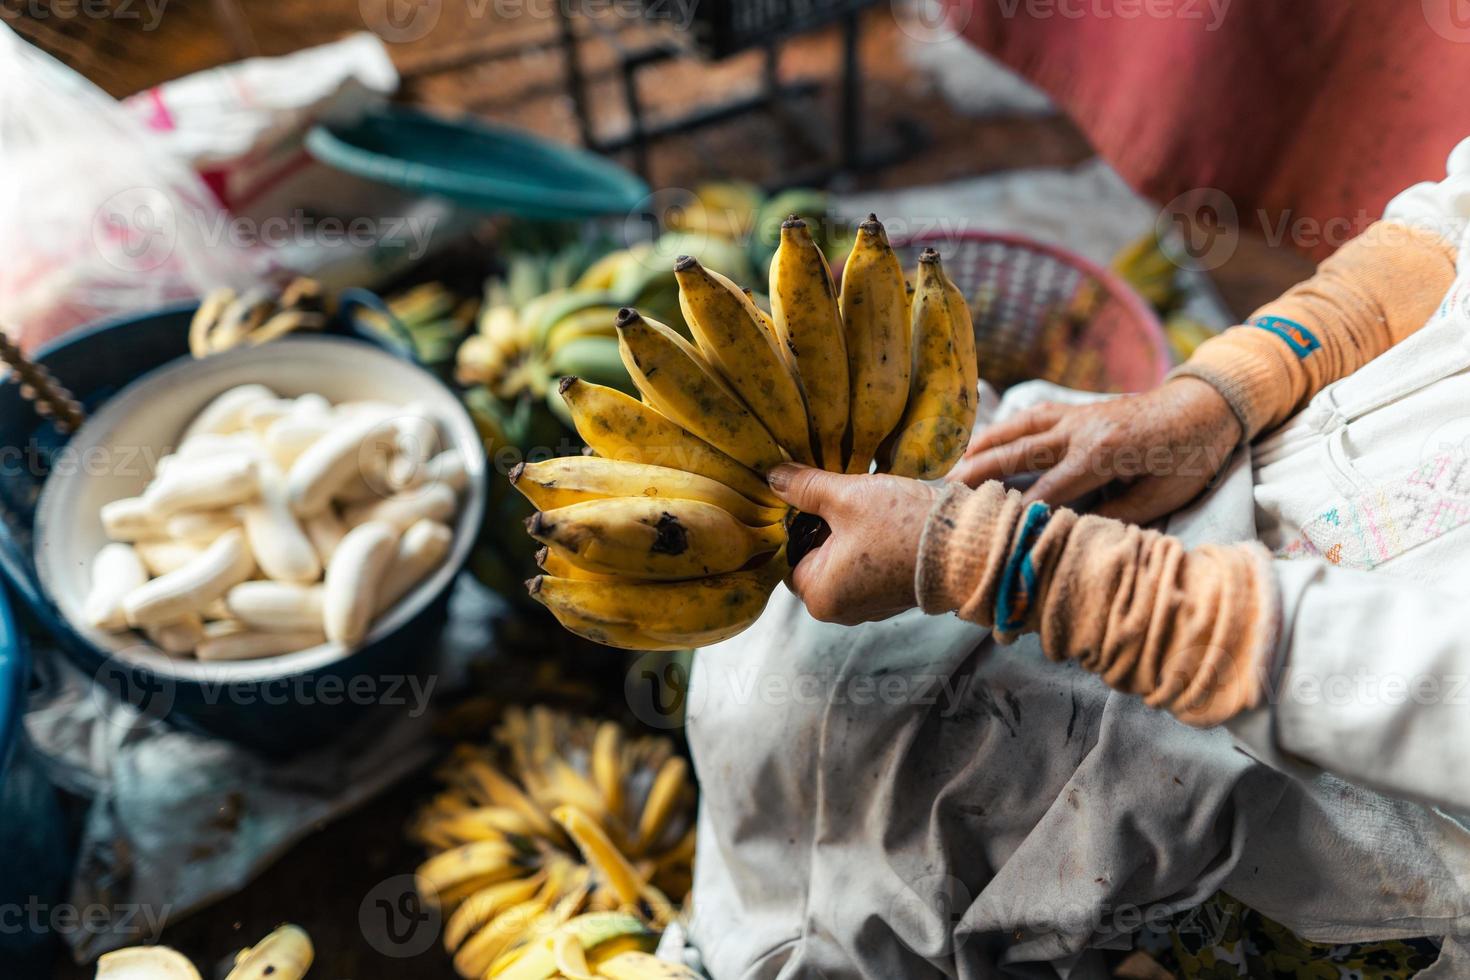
667 537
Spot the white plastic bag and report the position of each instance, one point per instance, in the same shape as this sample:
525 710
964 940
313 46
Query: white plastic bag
243 126
97 217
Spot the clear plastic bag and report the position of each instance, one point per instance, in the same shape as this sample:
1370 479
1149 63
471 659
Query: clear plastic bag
97 217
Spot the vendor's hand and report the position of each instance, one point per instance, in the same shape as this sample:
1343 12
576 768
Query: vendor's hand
1153 453
865 570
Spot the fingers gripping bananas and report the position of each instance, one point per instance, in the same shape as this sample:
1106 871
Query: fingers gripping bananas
668 538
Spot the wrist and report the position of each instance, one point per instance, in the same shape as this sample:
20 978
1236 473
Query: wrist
955 553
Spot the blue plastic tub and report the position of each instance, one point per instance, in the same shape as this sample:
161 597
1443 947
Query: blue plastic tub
35 859
268 715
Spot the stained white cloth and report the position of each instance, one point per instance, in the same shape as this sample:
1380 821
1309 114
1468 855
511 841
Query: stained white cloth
907 799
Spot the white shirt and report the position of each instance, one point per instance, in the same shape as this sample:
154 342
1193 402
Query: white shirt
1365 495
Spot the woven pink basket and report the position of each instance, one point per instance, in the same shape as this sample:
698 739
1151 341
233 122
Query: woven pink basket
1043 312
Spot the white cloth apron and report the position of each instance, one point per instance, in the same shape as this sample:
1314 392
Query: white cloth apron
907 799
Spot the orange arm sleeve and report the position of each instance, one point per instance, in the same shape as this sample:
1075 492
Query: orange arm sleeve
1187 630
1376 290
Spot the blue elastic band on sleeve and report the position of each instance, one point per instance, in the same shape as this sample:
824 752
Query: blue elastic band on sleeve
1301 340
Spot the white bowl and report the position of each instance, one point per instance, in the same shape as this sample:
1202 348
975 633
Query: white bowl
114 453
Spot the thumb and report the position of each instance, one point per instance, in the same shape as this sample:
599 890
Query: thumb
806 488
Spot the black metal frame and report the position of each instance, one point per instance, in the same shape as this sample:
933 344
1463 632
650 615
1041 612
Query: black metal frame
773 98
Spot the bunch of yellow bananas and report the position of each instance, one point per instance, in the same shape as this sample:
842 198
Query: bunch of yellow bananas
667 538
557 848
226 319
285 954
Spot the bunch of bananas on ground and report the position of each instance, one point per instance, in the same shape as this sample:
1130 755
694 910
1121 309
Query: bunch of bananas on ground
558 850
227 319
666 537
285 954
430 318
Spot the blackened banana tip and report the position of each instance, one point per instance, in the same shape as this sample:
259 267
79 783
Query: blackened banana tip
929 255
515 473
533 585
684 263
541 554
535 524
625 316
565 383
793 220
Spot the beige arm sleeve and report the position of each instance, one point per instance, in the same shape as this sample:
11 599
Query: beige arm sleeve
1187 630
1376 290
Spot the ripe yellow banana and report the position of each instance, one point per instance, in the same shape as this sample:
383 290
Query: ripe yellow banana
485 862
285 954
875 315
660 615
476 956
663 801
600 853
607 766
643 966
566 480
676 380
650 538
941 410
804 311
555 563
618 426
481 908
730 332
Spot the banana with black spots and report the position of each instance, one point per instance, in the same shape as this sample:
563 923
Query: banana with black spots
565 480
676 380
875 316
807 321
941 410
650 538
727 326
660 615
619 426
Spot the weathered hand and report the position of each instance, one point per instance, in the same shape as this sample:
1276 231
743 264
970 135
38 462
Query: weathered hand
1153 452
865 569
